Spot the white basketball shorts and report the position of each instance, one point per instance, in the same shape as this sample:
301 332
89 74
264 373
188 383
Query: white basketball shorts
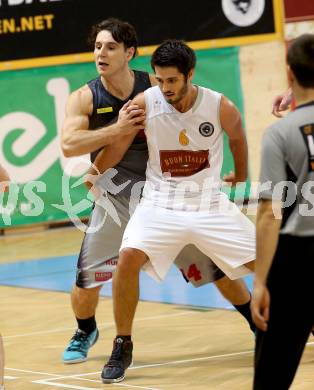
222 232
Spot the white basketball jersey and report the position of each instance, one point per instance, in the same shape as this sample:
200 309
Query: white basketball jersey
185 149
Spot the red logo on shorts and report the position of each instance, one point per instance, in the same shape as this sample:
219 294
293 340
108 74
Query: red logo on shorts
102 276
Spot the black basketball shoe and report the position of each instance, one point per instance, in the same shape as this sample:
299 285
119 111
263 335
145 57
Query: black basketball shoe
120 360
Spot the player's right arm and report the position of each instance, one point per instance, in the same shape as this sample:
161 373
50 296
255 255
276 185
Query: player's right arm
112 154
76 137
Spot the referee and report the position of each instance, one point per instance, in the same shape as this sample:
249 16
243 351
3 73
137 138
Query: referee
282 303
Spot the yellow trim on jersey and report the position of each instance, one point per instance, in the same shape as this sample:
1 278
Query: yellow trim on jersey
47 61
103 110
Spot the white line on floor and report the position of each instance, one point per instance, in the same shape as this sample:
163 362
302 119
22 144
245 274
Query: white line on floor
43 382
107 324
50 381
32 372
54 384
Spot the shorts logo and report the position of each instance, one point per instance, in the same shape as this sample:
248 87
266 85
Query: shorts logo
102 276
206 129
243 12
113 262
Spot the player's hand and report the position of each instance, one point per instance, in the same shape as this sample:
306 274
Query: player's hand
90 179
131 119
4 186
4 180
260 305
282 103
231 180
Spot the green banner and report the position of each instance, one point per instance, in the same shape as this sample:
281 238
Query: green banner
46 185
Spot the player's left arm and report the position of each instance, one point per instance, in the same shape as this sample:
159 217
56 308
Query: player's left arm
231 122
267 232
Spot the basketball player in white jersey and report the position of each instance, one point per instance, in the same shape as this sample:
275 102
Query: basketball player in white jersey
182 202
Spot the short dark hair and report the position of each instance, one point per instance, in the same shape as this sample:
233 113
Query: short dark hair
300 58
174 52
121 32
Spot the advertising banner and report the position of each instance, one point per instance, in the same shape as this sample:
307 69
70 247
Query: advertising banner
48 32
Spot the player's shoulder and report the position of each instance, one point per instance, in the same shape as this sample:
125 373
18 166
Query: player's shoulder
139 99
227 106
83 94
81 100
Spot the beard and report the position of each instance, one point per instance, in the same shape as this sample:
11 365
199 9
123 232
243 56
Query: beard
179 96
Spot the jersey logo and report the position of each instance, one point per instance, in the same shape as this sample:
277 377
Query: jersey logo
307 132
183 162
183 138
206 129
104 110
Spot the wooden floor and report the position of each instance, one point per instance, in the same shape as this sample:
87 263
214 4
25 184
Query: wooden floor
176 347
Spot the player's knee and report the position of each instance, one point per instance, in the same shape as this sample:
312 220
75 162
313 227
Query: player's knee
85 294
131 259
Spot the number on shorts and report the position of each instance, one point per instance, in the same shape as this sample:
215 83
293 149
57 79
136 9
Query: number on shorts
194 273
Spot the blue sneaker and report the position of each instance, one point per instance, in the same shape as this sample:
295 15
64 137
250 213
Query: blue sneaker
80 343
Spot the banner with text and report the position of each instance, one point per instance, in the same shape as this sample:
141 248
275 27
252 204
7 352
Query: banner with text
48 32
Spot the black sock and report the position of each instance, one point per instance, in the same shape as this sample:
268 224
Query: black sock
245 310
124 338
87 325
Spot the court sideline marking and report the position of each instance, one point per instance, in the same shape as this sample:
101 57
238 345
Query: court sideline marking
79 376
101 325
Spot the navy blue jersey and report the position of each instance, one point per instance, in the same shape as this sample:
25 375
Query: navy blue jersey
106 108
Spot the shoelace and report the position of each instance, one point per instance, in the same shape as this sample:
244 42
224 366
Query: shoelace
79 342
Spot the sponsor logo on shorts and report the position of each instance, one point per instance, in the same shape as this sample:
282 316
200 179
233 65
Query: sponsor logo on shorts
102 276
113 262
